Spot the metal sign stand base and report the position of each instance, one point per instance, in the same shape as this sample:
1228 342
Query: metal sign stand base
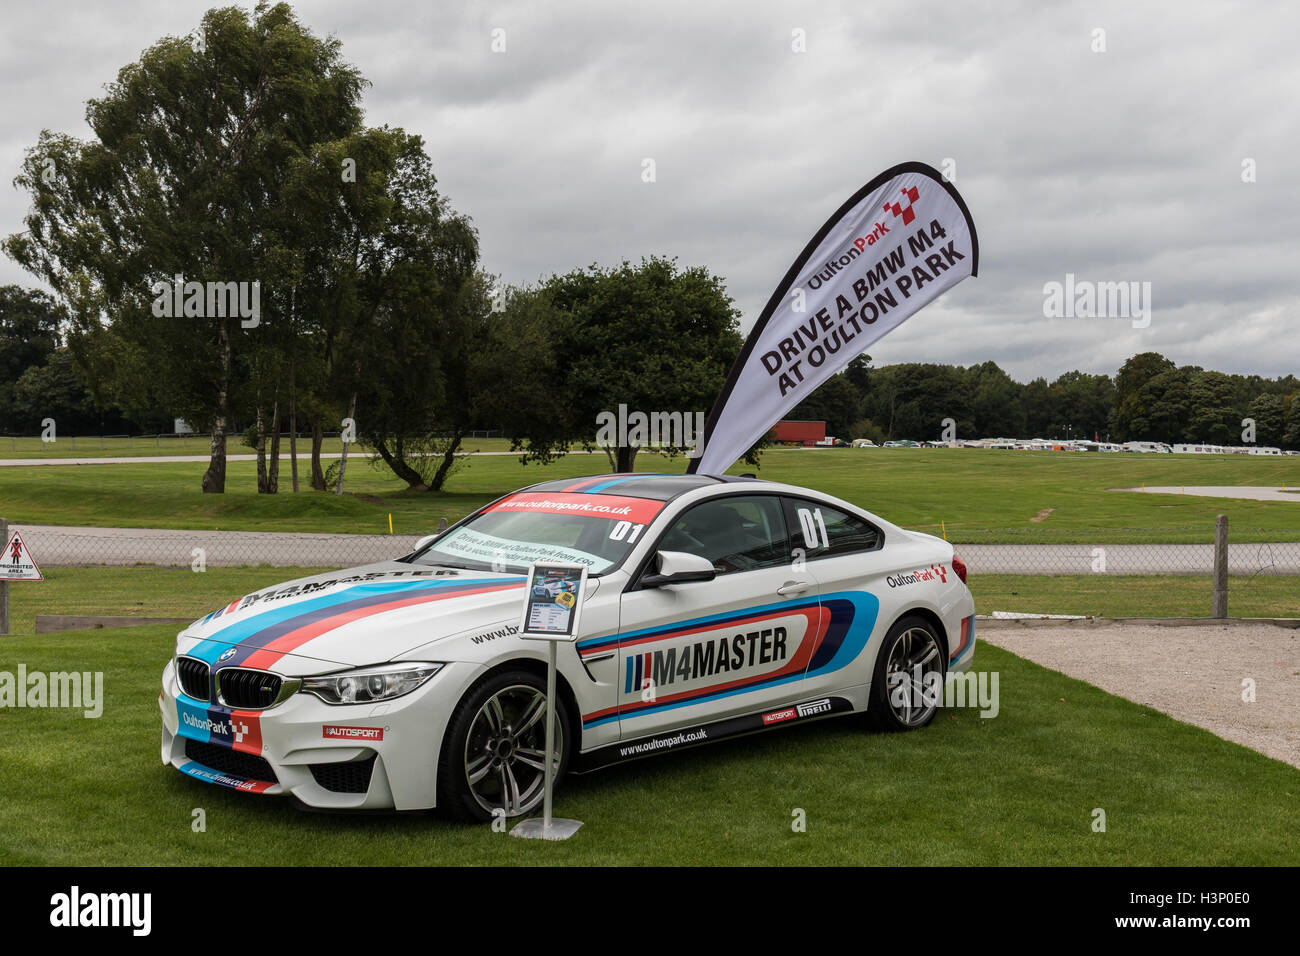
547 828
536 828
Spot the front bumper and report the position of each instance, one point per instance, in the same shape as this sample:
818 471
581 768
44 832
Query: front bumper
340 757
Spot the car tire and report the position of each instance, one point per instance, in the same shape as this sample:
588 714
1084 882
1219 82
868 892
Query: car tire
911 642
493 749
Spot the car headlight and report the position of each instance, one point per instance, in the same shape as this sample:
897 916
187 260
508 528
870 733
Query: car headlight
368 685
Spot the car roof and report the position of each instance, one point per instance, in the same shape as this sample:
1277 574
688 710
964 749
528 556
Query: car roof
657 487
661 487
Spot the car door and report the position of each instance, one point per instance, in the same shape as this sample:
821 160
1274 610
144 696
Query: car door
844 555
702 651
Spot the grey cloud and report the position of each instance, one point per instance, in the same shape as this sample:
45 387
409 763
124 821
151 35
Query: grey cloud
1123 165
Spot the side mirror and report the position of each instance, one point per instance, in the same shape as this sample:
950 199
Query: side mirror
679 567
425 541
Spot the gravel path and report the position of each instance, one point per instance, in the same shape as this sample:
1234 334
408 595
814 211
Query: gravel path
1193 673
1248 492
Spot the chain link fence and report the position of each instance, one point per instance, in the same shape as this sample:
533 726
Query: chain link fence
216 549
1183 550
1180 550
1096 571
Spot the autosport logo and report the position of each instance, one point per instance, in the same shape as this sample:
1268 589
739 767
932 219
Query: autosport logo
780 716
337 732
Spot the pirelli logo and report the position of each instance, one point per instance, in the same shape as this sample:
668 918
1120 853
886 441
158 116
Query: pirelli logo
814 707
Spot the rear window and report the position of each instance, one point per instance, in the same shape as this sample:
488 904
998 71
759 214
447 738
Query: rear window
824 531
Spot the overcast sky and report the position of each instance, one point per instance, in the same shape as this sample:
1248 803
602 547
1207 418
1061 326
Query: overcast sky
1123 165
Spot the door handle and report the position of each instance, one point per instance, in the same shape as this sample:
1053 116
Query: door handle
792 587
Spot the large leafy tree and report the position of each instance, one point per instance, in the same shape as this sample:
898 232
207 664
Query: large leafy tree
653 336
837 402
29 334
191 148
402 305
1130 411
995 401
1083 402
1041 411
1269 413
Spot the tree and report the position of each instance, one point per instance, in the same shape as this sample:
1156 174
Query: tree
1040 402
653 337
1132 376
1270 419
1291 435
911 400
995 401
1213 416
55 390
405 305
182 177
836 402
1163 407
1083 402
29 335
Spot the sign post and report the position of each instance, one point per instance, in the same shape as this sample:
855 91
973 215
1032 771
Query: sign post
552 607
16 564
4 585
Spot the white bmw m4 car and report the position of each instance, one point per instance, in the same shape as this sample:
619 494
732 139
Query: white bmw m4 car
714 607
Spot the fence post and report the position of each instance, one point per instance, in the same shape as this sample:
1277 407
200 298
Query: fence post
4 585
1221 567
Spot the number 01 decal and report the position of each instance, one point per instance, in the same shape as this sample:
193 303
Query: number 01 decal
811 522
621 529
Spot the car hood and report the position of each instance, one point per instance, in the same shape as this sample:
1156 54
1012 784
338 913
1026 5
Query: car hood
351 618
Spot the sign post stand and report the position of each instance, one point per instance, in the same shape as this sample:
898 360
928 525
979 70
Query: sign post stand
552 618
4 585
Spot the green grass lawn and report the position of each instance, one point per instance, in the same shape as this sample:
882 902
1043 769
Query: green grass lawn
960 490
1134 595
148 591
71 446
1020 788
139 591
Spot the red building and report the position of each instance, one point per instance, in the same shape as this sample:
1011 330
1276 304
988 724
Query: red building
799 433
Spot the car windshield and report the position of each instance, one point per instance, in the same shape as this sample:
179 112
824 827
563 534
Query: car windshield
595 530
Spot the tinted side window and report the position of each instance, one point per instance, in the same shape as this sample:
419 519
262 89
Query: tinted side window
823 531
735 534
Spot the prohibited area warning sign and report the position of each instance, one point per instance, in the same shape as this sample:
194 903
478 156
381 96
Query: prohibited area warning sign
16 562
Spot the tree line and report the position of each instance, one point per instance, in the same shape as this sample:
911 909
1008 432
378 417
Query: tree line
1151 398
235 247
